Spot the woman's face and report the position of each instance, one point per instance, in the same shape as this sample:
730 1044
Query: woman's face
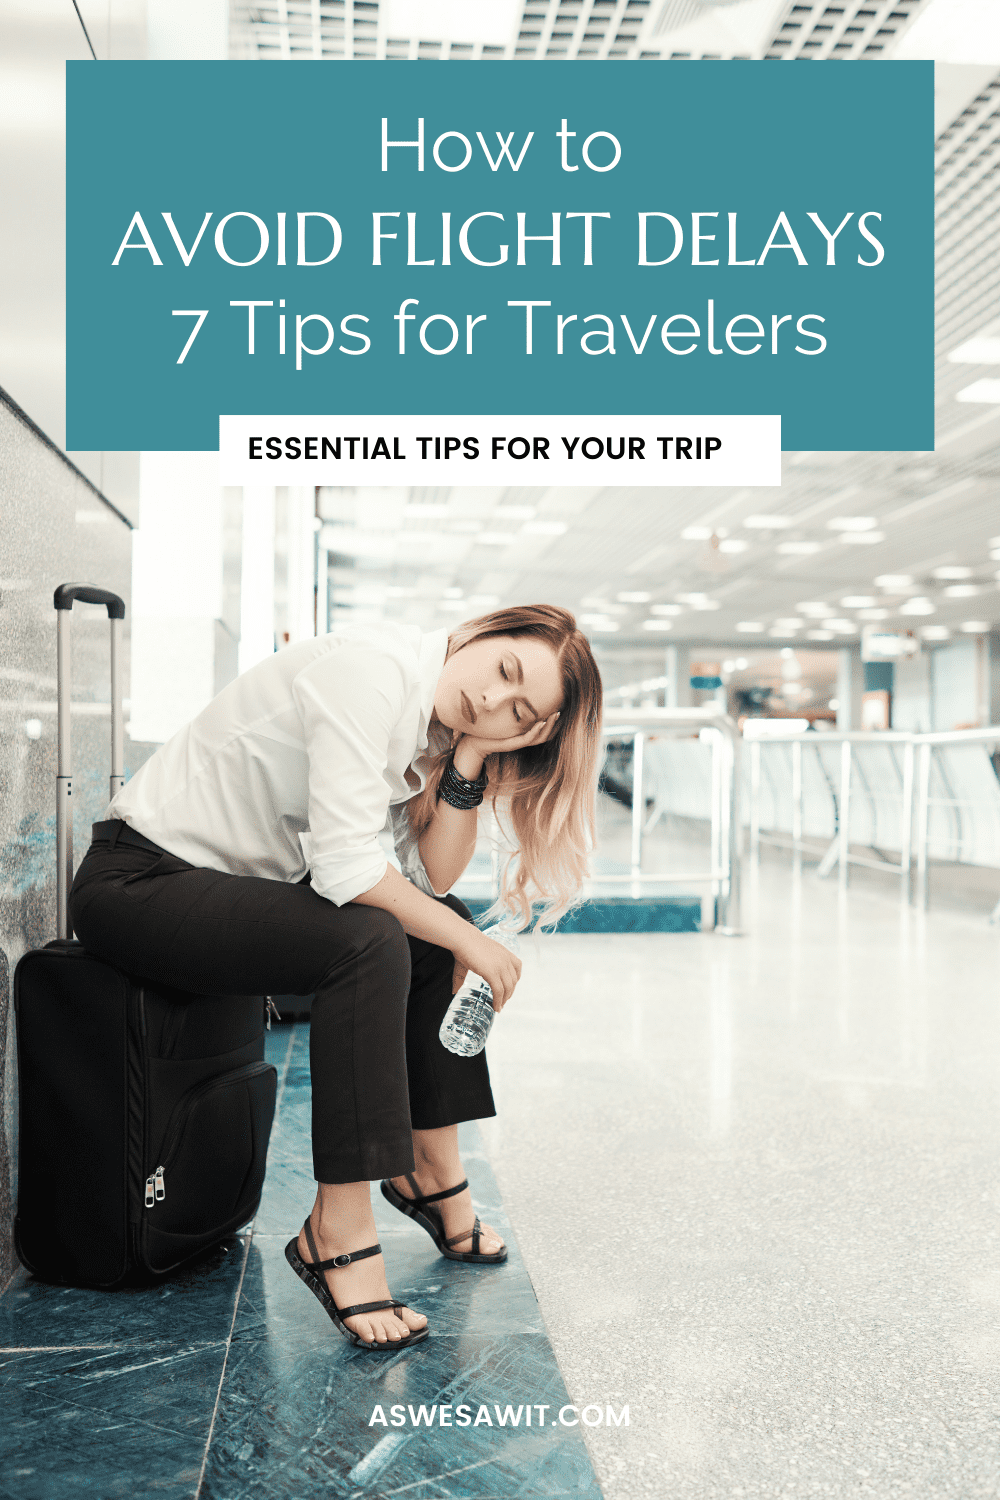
496 688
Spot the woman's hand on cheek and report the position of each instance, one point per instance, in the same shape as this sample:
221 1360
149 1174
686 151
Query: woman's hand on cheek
540 731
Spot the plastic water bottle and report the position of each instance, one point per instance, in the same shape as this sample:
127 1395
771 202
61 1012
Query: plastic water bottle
470 1015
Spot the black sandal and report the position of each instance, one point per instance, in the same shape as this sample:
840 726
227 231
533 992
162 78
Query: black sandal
431 1220
305 1270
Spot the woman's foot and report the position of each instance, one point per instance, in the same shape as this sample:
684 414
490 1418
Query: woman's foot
439 1167
457 1212
342 1221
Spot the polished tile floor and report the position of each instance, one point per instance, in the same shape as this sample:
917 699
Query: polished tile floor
230 1383
755 1184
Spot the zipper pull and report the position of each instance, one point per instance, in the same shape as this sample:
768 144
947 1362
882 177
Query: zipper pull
149 1192
159 1189
270 1009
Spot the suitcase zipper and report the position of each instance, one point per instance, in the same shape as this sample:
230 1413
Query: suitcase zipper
155 1188
270 1009
156 1182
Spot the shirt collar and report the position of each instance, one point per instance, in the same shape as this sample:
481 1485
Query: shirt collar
431 655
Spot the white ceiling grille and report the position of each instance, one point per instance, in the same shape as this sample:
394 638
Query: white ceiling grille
597 29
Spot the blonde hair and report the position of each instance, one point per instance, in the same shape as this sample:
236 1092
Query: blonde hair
547 794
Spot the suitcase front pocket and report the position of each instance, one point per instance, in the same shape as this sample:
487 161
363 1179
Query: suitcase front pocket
210 1168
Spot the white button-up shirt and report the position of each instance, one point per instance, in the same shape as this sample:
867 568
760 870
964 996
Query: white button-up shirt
300 763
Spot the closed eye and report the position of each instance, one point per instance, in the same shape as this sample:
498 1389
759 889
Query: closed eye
506 677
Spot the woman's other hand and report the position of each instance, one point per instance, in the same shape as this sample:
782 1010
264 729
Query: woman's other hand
540 731
498 967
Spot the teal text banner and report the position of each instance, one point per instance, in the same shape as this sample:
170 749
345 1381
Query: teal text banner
324 237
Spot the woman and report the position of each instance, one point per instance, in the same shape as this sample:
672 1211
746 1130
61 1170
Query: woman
244 858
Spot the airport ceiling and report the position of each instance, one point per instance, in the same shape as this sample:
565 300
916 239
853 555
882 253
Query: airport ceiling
909 539
569 29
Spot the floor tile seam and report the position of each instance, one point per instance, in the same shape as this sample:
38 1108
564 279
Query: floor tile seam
125 1344
225 1361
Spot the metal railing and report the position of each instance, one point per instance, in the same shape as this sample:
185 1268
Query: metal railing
723 878
915 800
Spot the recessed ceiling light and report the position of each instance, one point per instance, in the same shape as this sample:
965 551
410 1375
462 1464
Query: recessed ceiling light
975 627
733 545
790 623
753 627
484 601
976 351
873 614
962 591
692 598
983 392
917 606
863 537
857 601
657 624
798 549
740 664
767 523
819 635
544 528
453 593
995 556
495 538
666 609
952 571
457 606
891 581
852 523
994 541
841 627
696 534
814 608
635 597
599 622
707 604
935 632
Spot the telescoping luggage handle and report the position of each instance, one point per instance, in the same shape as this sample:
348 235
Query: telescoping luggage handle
65 596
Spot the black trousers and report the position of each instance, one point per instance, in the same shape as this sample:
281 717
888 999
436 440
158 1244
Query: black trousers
376 1062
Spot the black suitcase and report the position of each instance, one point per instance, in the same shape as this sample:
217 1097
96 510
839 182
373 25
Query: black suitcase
144 1112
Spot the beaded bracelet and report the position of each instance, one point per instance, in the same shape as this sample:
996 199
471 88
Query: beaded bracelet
458 791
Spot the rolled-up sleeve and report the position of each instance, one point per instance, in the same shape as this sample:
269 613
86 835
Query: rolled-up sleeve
349 702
